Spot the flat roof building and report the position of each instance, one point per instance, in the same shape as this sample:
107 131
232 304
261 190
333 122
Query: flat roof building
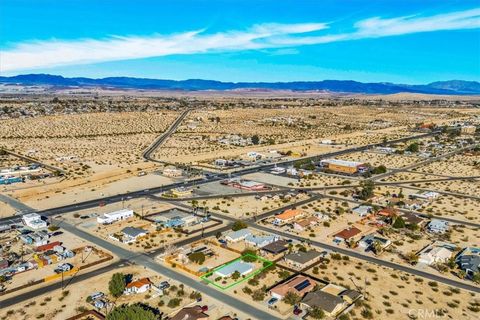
243 268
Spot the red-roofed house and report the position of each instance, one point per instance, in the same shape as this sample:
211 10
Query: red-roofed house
138 286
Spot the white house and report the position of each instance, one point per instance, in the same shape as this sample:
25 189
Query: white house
238 235
111 217
34 221
438 226
362 210
435 254
138 286
260 241
242 267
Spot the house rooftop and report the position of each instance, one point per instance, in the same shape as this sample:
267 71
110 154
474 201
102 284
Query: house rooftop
276 247
348 233
323 300
303 257
239 233
133 232
287 214
298 285
190 313
139 283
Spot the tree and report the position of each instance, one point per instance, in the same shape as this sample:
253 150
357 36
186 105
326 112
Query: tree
476 277
197 257
367 189
255 139
238 225
316 313
236 275
377 247
379 169
258 295
292 298
413 147
412 258
174 302
117 284
131 312
399 223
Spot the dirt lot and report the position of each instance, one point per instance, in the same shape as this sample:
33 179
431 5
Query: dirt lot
392 294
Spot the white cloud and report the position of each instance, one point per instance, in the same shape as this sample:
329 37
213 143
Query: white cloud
51 53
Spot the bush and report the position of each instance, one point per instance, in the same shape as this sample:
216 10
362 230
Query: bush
197 257
174 302
238 225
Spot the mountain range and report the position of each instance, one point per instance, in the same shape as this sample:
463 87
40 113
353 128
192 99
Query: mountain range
452 87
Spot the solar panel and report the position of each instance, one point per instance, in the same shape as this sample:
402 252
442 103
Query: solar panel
302 285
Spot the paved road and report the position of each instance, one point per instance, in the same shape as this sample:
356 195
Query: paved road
148 262
58 285
371 259
14 203
147 154
252 223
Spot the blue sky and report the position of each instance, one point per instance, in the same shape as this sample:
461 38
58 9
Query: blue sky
263 40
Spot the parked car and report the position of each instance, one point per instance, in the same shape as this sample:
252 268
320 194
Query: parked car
97 295
272 301
64 267
297 311
164 285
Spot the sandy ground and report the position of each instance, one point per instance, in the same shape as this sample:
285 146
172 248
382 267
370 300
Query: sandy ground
404 293
61 306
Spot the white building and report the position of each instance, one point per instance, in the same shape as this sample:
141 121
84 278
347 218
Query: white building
34 221
111 217
172 172
438 226
435 254
238 235
277 170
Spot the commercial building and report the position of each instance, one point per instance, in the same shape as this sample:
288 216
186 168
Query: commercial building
33 221
172 172
343 166
111 217
244 184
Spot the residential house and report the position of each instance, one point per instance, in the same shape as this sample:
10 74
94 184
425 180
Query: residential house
191 313
362 211
238 235
469 260
275 247
287 216
242 267
303 224
261 240
412 219
347 234
299 285
301 259
367 241
329 303
131 234
425 195
437 252
438 226
350 296
388 212
176 218
138 286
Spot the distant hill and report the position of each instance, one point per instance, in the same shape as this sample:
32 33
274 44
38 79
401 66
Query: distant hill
453 87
